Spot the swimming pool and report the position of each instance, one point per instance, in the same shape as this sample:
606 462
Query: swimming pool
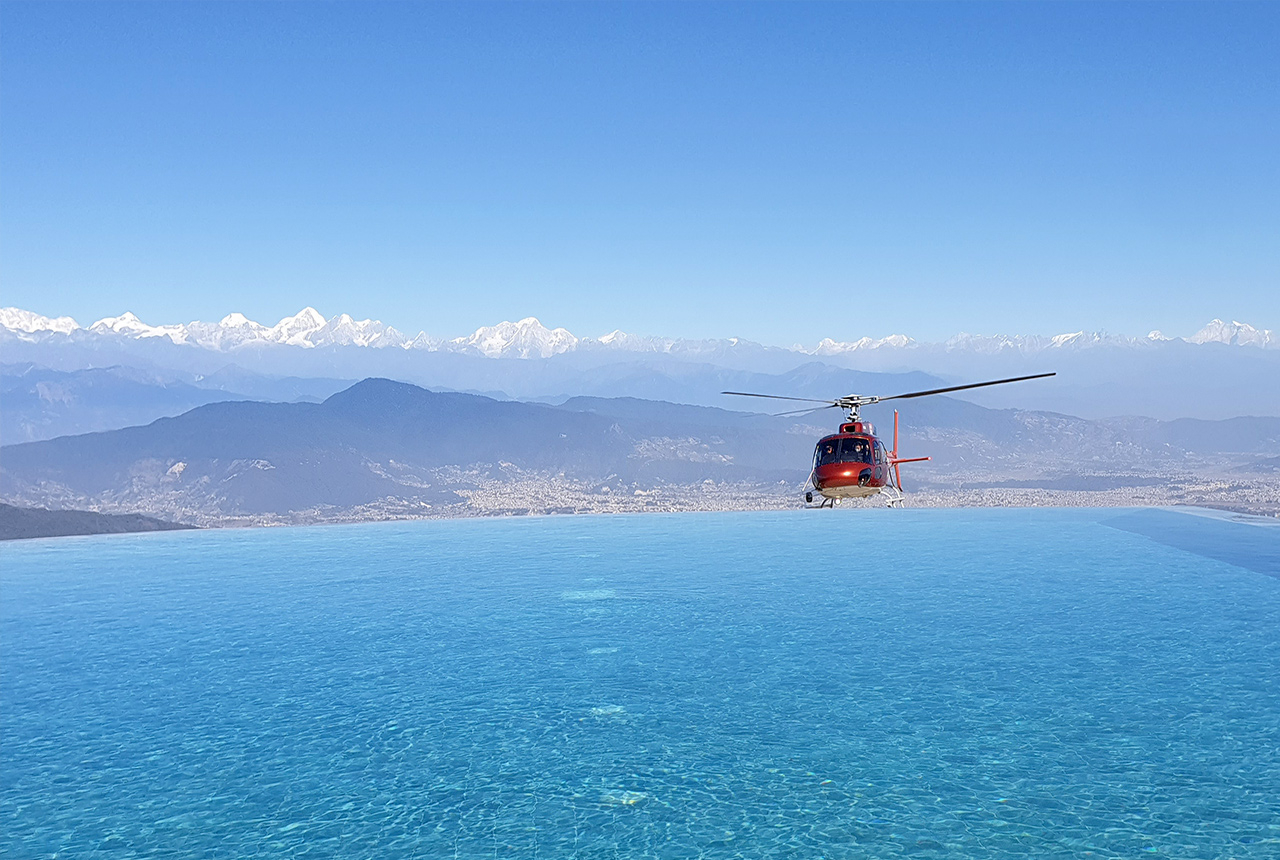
980 683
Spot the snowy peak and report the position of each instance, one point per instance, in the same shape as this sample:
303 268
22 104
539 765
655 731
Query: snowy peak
1235 334
995 343
237 321
309 329
827 346
17 320
527 338
342 330
1074 337
1028 344
422 340
294 330
127 322
232 331
620 340
129 325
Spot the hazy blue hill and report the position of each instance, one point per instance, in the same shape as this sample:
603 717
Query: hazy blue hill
258 386
39 403
167 379
819 379
1248 435
381 439
762 445
377 438
20 523
668 379
657 413
42 403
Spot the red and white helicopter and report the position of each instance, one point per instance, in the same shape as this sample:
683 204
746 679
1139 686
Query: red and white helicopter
853 463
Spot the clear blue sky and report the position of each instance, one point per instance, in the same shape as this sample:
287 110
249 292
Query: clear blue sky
777 172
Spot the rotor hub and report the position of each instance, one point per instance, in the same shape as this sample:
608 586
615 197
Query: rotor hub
853 403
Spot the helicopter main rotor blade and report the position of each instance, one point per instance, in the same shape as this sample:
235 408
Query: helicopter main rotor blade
805 411
778 397
963 387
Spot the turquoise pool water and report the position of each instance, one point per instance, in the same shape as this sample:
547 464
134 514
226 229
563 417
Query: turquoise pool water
1049 683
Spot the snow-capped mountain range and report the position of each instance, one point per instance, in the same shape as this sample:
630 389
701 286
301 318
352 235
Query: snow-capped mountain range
529 338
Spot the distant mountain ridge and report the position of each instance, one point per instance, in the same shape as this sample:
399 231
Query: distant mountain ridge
529 338
388 444
41 403
1224 370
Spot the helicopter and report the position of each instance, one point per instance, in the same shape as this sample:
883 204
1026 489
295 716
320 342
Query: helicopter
853 463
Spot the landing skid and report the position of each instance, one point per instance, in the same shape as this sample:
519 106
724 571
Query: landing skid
893 498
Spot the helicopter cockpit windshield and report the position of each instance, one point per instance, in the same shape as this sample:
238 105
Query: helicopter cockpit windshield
855 451
847 450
